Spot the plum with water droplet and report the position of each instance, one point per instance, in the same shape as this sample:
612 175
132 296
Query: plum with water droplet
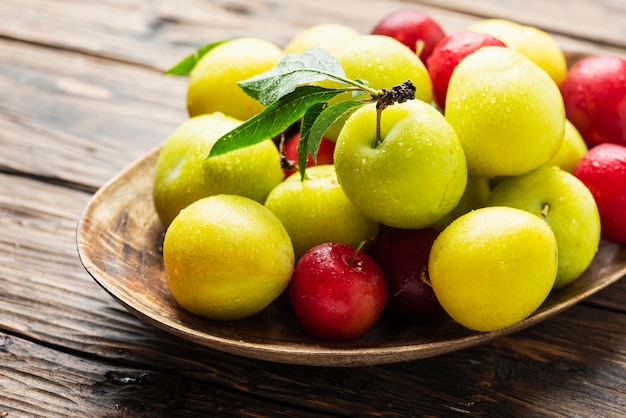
403 255
337 292
594 93
413 28
448 53
324 154
603 171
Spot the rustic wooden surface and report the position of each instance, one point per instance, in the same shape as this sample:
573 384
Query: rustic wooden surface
82 96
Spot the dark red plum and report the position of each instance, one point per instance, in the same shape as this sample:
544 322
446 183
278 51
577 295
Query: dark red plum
403 255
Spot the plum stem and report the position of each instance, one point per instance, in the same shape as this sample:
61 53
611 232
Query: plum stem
544 210
419 47
397 94
424 277
359 248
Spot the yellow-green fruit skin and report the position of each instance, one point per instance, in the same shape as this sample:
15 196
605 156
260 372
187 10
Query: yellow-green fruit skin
534 43
227 257
572 149
414 177
508 113
183 175
568 207
327 36
213 81
317 211
493 267
475 195
383 62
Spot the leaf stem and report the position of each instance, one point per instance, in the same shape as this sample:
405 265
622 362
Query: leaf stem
376 94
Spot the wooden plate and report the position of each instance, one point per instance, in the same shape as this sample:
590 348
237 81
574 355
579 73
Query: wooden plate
119 241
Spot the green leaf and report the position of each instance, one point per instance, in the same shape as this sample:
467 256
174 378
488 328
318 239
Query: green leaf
325 120
185 65
274 119
305 128
312 65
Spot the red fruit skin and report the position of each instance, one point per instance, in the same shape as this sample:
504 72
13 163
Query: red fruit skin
403 255
603 171
448 53
334 300
324 154
410 26
594 94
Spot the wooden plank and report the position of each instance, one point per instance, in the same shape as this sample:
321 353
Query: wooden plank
46 297
94 116
120 30
603 22
157 34
42 382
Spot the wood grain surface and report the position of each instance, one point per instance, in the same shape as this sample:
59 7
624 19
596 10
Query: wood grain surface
82 96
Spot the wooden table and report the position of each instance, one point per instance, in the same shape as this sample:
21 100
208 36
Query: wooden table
82 95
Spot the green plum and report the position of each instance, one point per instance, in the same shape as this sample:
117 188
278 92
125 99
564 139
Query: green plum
534 43
475 195
227 257
183 175
213 82
507 112
568 207
415 176
493 267
572 149
316 210
383 62
327 36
